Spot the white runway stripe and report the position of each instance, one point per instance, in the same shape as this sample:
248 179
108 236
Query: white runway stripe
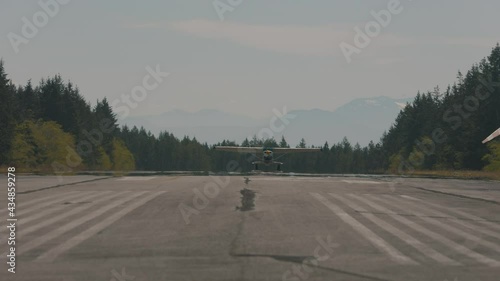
135 178
20 203
361 182
419 246
376 241
458 212
23 223
52 254
427 210
445 241
71 225
440 223
23 210
24 231
37 216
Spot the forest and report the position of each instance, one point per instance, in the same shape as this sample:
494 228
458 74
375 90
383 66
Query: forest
51 128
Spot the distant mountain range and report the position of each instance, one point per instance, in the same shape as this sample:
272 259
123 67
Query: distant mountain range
360 120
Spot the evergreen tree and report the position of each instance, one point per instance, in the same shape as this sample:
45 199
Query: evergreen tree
283 143
7 122
302 143
245 143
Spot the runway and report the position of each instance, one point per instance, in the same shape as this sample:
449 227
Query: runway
252 227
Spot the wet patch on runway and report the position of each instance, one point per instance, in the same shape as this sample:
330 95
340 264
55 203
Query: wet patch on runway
247 200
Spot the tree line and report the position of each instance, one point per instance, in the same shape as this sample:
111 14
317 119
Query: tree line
443 130
50 125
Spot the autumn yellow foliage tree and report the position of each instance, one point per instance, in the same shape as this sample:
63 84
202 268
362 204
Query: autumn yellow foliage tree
122 158
24 150
103 160
493 158
36 145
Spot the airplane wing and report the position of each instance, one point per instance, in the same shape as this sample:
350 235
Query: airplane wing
295 150
239 149
492 136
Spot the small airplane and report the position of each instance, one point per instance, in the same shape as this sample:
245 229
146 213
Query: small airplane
492 136
268 153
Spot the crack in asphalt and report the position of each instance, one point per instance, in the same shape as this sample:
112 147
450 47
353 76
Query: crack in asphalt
61 185
250 197
301 259
456 195
409 185
425 216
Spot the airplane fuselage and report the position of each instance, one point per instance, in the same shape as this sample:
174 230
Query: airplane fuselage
267 157
267 153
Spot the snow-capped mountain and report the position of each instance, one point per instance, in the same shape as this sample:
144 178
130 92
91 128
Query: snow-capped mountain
360 120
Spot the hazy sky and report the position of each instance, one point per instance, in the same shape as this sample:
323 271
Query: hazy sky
263 55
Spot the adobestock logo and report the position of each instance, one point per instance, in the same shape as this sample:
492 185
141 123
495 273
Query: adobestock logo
372 29
223 6
30 28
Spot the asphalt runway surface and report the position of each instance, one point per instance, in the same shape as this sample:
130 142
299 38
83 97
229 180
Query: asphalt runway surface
256 227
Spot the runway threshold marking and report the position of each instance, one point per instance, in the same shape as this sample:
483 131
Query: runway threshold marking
73 211
73 224
361 182
456 212
438 237
373 238
62 197
23 221
408 239
439 223
53 199
456 220
52 254
22 204
138 178
25 228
